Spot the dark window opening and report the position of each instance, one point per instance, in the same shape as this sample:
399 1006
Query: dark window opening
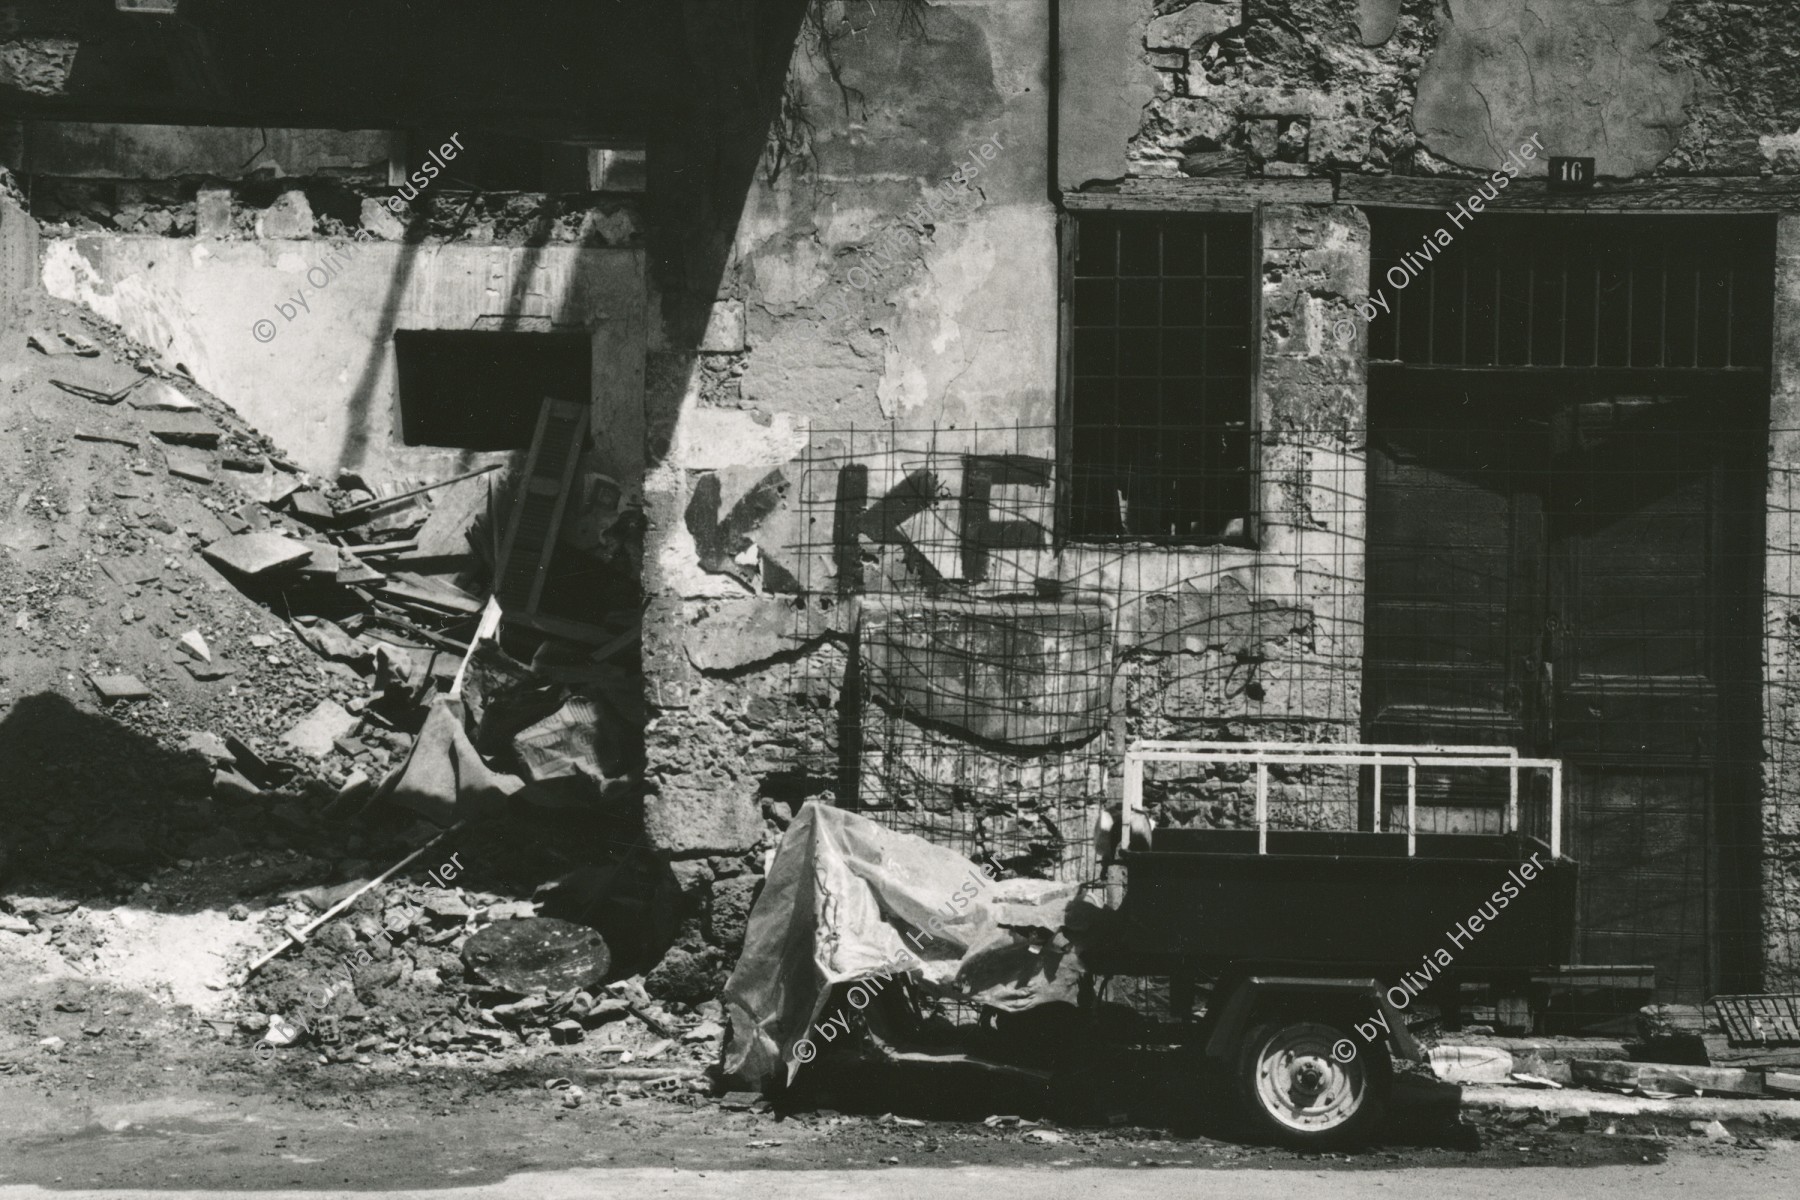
1595 292
482 391
1159 389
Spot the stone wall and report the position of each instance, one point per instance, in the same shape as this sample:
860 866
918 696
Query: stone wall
189 237
869 353
1780 824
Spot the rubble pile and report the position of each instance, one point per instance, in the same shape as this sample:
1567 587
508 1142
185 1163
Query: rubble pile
211 661
417 972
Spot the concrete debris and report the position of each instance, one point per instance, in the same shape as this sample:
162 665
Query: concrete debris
184 428
194 644
229 785
209 746
325 563
329 640
158 396
1470 1064
311 507
1665 1078
253 554
113 688
189 463
61 343
319 729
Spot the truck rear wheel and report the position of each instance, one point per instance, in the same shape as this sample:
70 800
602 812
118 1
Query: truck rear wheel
1298 1091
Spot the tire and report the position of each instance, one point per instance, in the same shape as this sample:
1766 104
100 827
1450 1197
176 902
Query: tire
1296 1092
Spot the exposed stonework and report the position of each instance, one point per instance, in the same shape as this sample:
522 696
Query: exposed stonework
1282 93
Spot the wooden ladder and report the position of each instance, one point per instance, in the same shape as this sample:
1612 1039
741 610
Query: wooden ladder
537 509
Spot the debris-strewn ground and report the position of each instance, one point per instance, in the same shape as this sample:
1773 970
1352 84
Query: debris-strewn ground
186 750
140 1098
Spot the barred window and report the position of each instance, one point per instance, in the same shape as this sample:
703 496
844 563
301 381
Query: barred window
1158 442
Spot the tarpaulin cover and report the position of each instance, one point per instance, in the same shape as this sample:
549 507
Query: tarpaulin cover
444 779
847 899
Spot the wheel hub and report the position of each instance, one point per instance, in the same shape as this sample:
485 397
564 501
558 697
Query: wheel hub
1302 1086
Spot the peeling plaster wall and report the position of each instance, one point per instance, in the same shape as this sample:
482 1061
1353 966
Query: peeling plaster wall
1103 85
1433 86
1583 74
859 291
325 386
954 329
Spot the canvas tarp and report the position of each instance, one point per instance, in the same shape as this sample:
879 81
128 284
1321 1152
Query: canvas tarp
444 780
848 899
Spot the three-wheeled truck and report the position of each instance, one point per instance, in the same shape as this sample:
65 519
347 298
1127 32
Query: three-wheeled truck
1315 941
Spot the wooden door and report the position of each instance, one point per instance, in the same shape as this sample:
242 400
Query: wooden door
1650 650
1563 567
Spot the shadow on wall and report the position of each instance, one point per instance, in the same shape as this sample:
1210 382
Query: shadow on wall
702 162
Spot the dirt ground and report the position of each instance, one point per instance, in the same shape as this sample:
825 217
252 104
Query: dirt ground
137 1092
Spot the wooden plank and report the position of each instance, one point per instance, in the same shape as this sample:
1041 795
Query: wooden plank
574 631
1199 195
1689 195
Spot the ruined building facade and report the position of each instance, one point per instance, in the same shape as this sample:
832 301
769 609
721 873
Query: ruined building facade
1004 380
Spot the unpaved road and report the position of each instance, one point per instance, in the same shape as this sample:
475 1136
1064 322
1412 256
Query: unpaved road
1686 1175
132 1100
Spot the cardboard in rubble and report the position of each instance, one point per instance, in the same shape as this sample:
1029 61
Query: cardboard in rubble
318 730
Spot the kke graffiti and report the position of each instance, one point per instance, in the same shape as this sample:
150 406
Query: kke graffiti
977 534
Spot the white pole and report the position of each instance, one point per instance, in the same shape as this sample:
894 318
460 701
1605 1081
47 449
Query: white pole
1262 808
1412 808
1556 811
1378 797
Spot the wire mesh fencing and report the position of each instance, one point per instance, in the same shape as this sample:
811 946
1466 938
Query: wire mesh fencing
1604 581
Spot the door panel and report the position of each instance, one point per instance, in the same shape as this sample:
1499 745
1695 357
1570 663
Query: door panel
1454 552
1640 833
1572 571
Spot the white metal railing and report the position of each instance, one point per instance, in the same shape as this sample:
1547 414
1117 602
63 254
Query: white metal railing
1263 755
